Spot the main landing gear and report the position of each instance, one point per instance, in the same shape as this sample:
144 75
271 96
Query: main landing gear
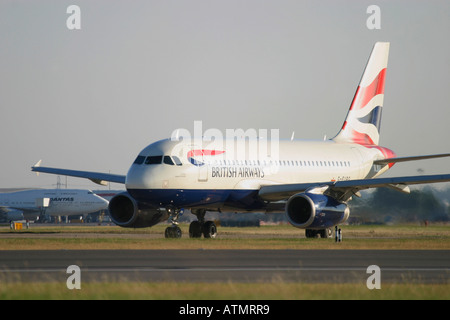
319 233
196 229
208 229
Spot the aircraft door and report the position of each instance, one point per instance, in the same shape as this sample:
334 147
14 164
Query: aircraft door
202 169
203 173
358 164
197 158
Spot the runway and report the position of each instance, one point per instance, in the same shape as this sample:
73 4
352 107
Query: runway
309 266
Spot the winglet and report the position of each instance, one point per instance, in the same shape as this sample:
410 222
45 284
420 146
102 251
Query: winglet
38 164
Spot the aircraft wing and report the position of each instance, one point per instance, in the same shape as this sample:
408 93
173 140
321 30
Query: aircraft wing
348 188
6 209
96 177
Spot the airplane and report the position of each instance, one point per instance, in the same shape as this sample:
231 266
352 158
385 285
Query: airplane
310 181
30 204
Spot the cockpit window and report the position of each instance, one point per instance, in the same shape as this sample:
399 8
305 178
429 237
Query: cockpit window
168 160
177 160
139 160
153 160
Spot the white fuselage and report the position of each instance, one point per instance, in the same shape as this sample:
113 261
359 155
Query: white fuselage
55 202
195 173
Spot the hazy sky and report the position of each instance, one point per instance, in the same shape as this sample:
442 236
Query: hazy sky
91 99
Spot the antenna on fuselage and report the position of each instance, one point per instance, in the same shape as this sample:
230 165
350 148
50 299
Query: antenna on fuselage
292 137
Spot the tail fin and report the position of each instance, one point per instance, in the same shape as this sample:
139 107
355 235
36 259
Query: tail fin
362 124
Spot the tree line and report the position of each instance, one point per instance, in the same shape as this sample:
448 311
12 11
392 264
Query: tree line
387 205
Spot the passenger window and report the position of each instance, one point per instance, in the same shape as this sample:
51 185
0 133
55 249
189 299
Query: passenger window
139 160
153 160
177 160
168 160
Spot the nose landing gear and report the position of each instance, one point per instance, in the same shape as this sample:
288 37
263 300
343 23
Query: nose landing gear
174 230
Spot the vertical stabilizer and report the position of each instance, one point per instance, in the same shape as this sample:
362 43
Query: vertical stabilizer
362 124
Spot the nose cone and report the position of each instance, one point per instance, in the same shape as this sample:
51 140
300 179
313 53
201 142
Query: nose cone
137 177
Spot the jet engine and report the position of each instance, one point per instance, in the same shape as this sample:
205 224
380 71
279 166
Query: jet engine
126 212
315 211
14 215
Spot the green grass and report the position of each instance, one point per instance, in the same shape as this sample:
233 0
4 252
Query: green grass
402 237
265 237
221 291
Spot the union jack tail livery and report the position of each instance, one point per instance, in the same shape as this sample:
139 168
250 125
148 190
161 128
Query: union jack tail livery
362 124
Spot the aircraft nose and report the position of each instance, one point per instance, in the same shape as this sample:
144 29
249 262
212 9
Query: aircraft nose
138 177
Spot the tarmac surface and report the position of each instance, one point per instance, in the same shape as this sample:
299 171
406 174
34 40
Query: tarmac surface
308 266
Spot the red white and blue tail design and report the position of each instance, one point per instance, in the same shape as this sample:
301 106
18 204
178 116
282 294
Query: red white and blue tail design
362 124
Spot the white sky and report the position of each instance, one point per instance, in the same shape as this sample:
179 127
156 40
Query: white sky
91 99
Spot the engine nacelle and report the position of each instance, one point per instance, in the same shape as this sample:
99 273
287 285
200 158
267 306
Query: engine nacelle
14 215
126 212
315 211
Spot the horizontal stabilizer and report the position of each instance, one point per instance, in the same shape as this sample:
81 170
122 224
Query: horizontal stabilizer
385 182
415 158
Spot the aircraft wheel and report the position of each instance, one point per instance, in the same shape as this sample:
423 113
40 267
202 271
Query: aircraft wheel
195 229
311 233
326 233
173 232
209 229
